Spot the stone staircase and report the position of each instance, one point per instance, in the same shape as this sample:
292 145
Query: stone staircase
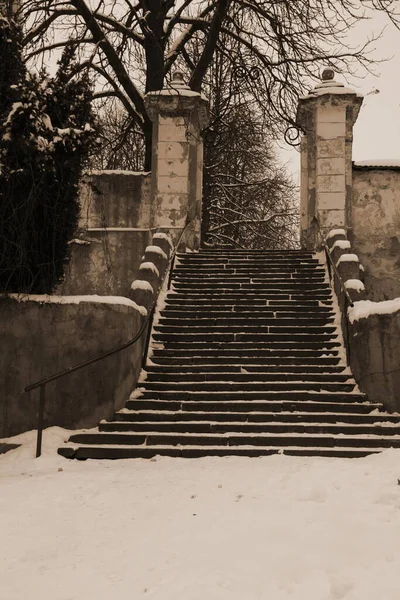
247 360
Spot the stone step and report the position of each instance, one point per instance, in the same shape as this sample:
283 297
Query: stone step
191 342
249 368
252 377
105 452
239 392
248 300
311 404
242 354
276 286
139 416
227 427
207 277
247 311
276 261
176 302
318 361
181 318
230 297
319 326
246 386
238 251
237 439
245 271
245 361
306 329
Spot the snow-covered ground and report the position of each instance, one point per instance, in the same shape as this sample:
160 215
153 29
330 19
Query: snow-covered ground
278 528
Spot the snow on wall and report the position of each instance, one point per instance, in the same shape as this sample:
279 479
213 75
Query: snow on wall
363 309
334 232
150 266
141 284
343 244
347 258
47 299
163 236
354 284
387 163
156 250
116 172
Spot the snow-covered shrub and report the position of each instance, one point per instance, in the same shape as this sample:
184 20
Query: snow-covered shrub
46 132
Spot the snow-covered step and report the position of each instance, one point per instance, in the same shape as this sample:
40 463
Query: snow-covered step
175 370
244 376
209 426
192 451
247 359
255 405
373 417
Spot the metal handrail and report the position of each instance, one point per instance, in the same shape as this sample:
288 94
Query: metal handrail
147 322
331 261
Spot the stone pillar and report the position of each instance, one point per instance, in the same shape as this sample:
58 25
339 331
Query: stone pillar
178 116
327 116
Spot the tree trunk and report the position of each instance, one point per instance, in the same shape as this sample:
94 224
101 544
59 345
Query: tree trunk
155 46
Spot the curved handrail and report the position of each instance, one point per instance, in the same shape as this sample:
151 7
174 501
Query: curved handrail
147 321
334 267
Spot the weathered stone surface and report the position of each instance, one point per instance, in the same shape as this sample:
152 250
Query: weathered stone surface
160 260
107 264
178 116
115 199
348 269
375 358
376 229
42 339
327 116
114 231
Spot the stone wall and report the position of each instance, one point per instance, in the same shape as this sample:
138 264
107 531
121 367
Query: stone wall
114 230
375 352
105 265
44 335
375 228
115 199
371 330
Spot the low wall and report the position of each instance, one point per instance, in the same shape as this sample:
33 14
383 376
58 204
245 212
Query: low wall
375 350
42 338
114 230
115 198
375 222
371 330
106 263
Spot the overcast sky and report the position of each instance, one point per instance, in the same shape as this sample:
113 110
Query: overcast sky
377 130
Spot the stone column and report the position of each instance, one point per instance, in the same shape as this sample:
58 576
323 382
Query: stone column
178 116
327 116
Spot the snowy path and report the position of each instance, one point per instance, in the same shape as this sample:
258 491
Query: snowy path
278 527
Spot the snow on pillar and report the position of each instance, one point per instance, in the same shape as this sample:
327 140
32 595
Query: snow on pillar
178 114
327 116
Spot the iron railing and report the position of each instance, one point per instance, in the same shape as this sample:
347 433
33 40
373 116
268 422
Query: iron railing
147 323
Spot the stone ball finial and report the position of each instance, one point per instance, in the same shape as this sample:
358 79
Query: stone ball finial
328 74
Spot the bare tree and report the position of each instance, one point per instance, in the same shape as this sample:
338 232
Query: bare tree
121 140
287 40
249 201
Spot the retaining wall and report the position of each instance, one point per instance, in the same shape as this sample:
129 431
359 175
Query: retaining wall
42 336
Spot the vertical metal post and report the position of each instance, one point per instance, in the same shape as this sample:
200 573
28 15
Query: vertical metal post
148 336
42 399
171 268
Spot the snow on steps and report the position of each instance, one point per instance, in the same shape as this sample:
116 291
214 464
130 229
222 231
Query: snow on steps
301 398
